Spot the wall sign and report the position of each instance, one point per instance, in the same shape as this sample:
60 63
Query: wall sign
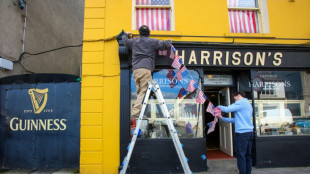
218 80
242 56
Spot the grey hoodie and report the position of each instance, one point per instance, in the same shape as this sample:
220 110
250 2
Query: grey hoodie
144 50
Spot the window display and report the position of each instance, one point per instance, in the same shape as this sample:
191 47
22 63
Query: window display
185 112
281 103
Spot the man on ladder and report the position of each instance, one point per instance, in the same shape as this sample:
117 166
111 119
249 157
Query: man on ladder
143 62
144 50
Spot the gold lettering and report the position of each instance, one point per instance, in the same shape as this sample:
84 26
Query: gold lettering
15 128
260 58
217 56
34 124
49 124
63 124
277 59
192 58
56 124
42 124
205 57
227 58
182 56
250 55
236 60
21 124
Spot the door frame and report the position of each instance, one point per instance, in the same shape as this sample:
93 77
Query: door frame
225 129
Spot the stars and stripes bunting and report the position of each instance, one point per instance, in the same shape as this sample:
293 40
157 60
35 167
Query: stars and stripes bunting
201 98
182 73
191 86
177 62
210 108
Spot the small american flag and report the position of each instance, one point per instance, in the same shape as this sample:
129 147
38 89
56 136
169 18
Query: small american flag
201 98
177 62
170 74
243 21
172 52
182 92
182 73
212 125
217 111
156 18
210 108
191 86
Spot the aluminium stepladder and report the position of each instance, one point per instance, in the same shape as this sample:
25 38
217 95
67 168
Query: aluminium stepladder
173 132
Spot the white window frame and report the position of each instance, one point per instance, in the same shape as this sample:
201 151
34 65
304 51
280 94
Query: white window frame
262 15
171 7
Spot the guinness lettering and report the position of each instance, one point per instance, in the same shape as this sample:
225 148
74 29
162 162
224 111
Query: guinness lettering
17 124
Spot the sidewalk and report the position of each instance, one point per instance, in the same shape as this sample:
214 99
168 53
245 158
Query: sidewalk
220 166
229 166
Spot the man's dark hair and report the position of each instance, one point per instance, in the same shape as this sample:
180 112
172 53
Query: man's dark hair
242 93
144 30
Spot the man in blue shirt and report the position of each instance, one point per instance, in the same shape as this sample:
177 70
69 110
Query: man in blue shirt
243 130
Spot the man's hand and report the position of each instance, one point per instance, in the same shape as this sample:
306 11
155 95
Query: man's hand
129 34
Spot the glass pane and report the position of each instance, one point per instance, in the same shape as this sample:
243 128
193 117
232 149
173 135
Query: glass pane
158 19
243 21
186 114
281 103
152 2
242 3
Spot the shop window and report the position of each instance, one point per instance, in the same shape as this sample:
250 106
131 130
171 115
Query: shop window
157 14
185 112
282 103
248 16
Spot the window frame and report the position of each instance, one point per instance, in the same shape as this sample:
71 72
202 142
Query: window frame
171 7
262 16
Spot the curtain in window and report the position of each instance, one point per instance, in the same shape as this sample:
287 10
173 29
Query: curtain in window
243 21
156 18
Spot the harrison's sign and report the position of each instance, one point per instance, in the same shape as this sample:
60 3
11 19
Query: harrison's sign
243 57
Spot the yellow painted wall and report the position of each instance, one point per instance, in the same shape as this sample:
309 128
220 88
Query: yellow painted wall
100 61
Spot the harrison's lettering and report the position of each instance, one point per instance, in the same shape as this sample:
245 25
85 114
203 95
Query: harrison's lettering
229 58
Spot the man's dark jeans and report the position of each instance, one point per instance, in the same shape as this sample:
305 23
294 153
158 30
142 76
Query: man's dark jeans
243 147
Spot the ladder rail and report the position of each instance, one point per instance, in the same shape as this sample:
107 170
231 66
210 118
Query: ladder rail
136 132
172 130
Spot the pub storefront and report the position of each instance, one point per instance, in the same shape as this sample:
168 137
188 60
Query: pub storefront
275 79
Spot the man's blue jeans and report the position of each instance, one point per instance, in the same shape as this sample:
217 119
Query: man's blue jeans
243 148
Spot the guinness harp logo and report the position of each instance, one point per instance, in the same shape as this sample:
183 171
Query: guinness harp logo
38 99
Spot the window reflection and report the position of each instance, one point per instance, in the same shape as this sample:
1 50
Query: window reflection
281 103
185 112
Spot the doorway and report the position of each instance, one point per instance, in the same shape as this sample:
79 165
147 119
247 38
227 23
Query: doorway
219 142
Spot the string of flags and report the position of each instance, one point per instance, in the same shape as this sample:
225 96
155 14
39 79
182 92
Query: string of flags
192 86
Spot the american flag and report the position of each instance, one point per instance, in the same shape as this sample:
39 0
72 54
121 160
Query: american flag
212 125
191 86
182 92
210 108
172 52
217 112
201 98
177 62
243 21
156 18
170 74
182 73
